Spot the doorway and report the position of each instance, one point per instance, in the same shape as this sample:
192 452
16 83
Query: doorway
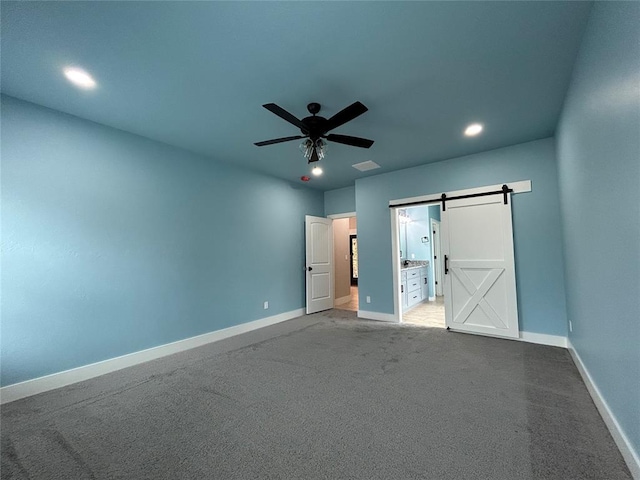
345 247
478 263
419 304
353 254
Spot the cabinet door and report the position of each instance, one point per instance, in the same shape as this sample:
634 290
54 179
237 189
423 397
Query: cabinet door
424 285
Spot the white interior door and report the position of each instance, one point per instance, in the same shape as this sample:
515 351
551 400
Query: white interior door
319 263
479 267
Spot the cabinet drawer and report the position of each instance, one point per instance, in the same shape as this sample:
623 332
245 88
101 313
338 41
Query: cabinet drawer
413 273
413 285
413 298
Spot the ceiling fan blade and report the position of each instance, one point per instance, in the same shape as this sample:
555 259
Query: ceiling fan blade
282 113
346 115
349 140
278 140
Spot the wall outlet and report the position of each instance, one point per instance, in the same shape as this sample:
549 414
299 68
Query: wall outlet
413 256
266 305
368 299
570 326
346 257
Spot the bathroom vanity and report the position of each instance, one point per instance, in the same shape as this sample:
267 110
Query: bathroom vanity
414 284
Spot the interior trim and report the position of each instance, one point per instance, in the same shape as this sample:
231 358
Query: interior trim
335 216
342 300
381 317
544 339
624 445
34 386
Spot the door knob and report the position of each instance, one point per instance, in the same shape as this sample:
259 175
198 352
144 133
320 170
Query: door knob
310 268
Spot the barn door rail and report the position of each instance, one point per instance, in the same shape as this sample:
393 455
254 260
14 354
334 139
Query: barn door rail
444 199
504 191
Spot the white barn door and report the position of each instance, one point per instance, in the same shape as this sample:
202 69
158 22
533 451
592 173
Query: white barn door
479 267
319 265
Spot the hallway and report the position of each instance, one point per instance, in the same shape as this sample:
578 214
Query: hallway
353 304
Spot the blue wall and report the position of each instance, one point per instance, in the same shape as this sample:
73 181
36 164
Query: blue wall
112 243
599 176
342 200
536 221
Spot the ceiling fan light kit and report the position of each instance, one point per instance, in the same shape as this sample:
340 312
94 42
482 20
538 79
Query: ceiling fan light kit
315 129
313 151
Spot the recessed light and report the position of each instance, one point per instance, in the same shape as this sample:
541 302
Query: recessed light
316 171
473 129
80 78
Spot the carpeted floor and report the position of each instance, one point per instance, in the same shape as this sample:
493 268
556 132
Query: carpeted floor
324 396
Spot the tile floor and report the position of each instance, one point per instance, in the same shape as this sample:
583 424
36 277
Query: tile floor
428 314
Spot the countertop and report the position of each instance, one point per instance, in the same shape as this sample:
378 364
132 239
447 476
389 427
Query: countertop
414 264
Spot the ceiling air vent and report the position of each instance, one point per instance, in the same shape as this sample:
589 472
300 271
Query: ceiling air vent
365 166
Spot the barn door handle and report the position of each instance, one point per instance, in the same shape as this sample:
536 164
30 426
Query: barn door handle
446 264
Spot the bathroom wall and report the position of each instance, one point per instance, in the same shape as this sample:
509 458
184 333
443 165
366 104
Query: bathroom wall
419 227
416 229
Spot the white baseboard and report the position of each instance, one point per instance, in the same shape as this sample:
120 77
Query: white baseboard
341 300
544 339
432 299
27 388
624 445
382 317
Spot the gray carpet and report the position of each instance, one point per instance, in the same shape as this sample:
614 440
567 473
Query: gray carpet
322 397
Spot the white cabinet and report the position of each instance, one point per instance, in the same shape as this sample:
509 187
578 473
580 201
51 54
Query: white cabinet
424 283
414 293
414 286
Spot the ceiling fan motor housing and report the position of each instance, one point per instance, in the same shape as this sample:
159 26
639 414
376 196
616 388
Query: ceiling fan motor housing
317 126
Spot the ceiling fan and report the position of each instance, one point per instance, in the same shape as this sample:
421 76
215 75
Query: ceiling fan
315 128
